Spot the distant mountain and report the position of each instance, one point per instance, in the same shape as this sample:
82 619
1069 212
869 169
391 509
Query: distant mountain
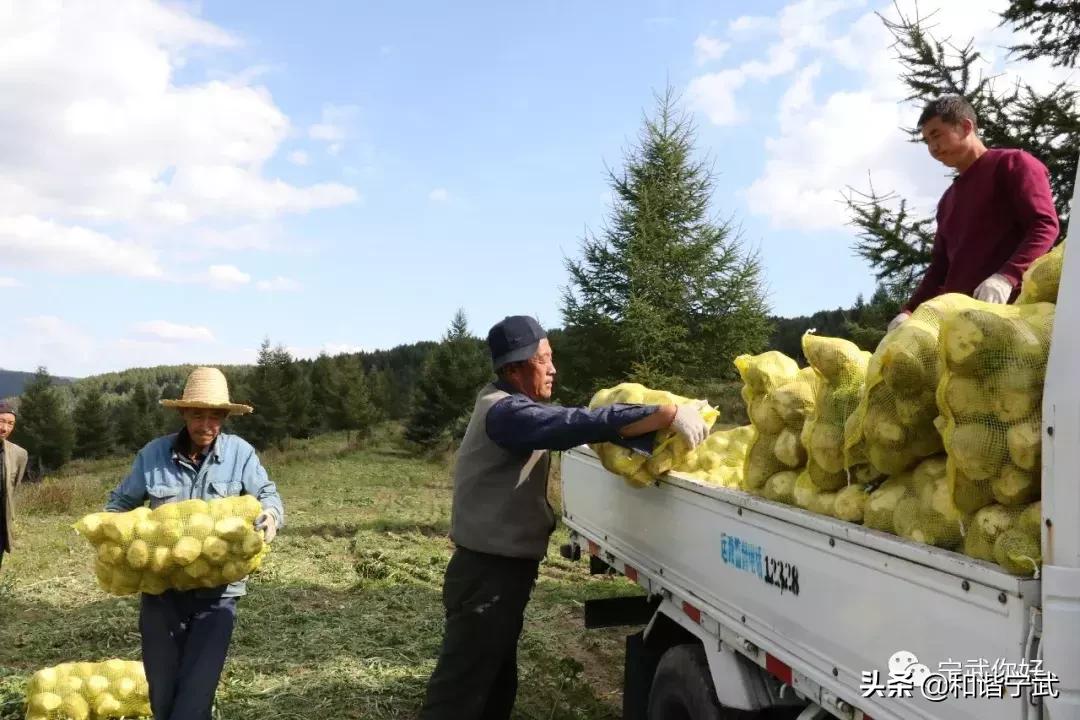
12 382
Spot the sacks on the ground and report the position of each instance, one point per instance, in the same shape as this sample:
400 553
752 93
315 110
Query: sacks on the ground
779 397
720 459
1041 279
991 398
179 546
840 368
668 450
897 410
89 691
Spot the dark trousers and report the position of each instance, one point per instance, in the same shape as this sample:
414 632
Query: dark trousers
184 642
476 675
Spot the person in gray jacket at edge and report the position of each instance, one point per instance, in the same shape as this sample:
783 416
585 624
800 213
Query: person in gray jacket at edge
501 520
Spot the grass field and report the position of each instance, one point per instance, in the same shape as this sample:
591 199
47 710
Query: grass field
343 621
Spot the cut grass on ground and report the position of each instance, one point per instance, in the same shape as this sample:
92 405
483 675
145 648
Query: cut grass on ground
343 621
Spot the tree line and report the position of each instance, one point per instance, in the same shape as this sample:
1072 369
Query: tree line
664 293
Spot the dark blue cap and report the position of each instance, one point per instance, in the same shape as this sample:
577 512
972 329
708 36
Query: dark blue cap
6 408
513 339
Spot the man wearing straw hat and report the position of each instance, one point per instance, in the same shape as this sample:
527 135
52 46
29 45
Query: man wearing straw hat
186 635
12 469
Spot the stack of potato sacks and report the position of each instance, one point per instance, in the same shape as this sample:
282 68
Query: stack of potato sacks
991 396
89 691
182 546
669 449
720 459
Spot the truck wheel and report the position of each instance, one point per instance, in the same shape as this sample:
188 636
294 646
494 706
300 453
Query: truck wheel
682 688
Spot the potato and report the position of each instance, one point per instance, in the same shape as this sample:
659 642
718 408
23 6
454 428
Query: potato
1018 552
1025 445
979 450
789 449
1015 486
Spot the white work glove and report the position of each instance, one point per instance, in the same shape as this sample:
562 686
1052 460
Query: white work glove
688 423
994 289
267 522
898 321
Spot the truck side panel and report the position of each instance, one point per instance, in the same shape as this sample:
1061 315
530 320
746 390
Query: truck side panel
829 607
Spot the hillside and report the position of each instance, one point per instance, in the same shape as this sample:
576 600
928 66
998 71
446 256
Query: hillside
12 382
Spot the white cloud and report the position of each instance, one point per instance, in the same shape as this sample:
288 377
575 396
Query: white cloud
298 157
44 244
66 349
853 134
98 134
226 277
173 332
750 23
336 123
439 195
7 282
278 284
714 95
707 49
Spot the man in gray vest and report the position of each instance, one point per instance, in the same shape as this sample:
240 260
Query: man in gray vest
501 518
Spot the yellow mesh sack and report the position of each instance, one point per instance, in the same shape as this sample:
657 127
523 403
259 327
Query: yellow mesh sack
986 525
779 397
850 503
781 487
1041 279
720 459
668 450
179 546
840 368
1008 536
895 418
881 505
930 515
994 359
89 691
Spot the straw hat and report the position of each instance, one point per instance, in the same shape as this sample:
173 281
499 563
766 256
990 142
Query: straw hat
207 388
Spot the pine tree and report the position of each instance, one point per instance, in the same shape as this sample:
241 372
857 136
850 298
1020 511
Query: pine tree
356 410
44 427
453 373
325 390
664 294
265 389
895 241
93 431
139 418
296 389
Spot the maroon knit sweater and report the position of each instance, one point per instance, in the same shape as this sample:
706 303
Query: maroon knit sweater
997 217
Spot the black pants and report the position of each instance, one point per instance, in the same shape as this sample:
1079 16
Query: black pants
184 641
476 675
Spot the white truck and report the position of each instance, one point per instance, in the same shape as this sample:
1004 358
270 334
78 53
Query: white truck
756 609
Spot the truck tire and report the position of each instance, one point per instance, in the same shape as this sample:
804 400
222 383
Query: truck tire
682 688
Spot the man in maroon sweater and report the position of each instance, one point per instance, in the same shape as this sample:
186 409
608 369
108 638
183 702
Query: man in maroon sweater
996 218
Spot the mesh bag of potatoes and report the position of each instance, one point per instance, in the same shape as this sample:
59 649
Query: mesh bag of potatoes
779 397
669 449
840 368
991 397
1041 279
926 512
177 546
89 691
720 459
1008 536
896 414
847 503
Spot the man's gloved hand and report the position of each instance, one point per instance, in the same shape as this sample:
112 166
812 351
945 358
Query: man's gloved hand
688 423
898 321
994 289
267 522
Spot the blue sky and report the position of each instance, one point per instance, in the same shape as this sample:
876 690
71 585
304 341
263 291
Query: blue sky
182 180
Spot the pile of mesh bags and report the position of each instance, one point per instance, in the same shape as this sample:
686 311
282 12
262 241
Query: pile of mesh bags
1041 279
720 459
668 450
179 546
779 397
89 691
894 425
840 367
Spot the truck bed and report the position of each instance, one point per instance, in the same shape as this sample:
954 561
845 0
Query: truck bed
828 598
